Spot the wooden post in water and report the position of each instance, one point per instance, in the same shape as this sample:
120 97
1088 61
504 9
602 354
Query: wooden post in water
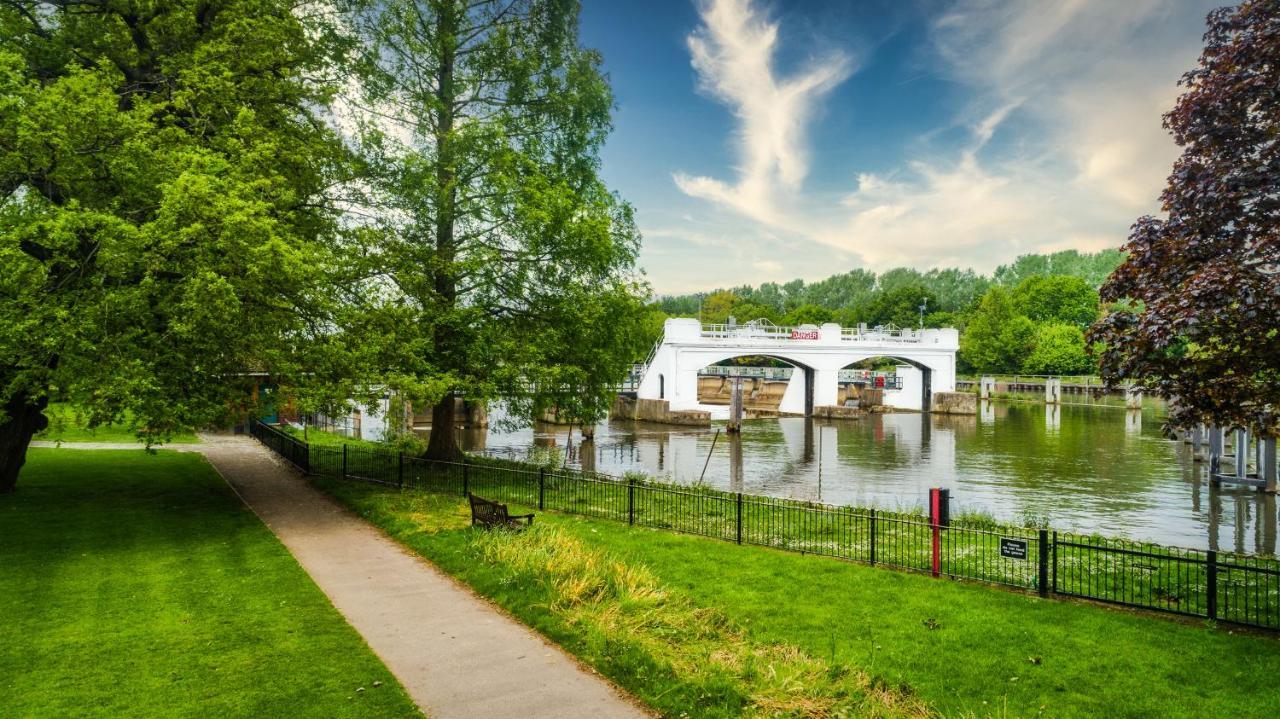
735 406
986 386
1215 453
1267 465
1242 453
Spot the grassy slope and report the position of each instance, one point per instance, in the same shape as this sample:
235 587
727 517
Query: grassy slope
139 585
66 424
964 648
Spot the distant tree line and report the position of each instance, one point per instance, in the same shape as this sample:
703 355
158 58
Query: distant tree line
1028 316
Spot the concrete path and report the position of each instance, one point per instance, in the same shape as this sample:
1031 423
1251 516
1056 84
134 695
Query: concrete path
455 653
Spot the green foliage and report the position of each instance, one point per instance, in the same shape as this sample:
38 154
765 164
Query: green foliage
500 266
1093 268
899 306
996 338
164 224
1059 349
1057 298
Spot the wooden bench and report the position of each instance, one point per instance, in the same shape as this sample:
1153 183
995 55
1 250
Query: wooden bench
487 514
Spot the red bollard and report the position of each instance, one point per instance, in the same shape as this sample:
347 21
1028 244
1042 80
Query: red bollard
939 517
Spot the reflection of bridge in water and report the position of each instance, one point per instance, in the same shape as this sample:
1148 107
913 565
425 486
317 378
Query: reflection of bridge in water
927 361
1087 469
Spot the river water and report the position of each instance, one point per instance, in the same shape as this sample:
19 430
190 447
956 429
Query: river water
1082 468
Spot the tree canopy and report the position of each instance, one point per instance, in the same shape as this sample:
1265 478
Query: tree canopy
1197 300
163 217
499 255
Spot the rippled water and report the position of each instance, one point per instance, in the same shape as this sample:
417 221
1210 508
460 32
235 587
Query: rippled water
1083 468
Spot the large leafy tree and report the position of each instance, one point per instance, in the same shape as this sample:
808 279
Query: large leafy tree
1057 298
162 177
1200 290
997 338
503 260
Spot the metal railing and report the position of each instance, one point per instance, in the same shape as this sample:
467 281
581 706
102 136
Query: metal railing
763 329
1235 588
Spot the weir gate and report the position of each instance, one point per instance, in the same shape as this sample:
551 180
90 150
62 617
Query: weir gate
926 361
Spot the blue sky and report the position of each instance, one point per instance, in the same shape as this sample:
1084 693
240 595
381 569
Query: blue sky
766 140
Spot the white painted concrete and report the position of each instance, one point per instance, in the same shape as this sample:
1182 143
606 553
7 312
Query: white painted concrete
687 346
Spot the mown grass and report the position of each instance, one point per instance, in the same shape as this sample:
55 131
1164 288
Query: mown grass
963 649
138 585
68 423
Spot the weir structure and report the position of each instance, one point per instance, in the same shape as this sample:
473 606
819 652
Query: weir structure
926 359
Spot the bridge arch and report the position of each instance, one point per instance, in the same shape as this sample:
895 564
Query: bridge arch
799 396
671 373
921 384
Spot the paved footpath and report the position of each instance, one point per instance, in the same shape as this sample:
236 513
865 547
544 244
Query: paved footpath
456 654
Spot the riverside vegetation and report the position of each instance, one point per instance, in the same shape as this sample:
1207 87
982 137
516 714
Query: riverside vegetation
702 628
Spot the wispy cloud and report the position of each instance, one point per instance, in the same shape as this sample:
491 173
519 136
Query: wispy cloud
1062 144
733 52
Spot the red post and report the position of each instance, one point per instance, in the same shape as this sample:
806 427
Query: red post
935 515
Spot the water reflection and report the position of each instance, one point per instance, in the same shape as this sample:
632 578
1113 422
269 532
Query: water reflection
1089 469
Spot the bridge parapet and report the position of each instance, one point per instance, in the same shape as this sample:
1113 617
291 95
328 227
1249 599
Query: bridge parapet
761 331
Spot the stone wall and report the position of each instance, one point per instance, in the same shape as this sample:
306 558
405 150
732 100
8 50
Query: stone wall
955 403
829 412
658 411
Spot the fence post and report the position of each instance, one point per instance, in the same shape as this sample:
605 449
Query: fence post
739 517
1042 581
631 501
542 486
400 469
873 537
1211 566
466 479
344 460
1055 561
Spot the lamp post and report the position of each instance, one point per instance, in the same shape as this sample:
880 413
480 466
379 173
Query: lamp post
923 306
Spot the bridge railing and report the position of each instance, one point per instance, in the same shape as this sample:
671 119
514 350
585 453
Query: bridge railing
764 330
881 333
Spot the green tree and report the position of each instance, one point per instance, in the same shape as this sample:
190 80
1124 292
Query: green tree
1057 298
163 210
808 314
997 337
899 306
1059 349
507 263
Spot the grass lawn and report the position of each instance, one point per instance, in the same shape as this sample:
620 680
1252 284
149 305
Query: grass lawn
68 424
961 648
135 584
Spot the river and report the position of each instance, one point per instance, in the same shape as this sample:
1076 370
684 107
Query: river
1081 468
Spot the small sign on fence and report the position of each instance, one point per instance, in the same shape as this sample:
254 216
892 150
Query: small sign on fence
1013 548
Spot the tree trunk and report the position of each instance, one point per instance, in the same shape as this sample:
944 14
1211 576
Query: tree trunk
443 443
24 419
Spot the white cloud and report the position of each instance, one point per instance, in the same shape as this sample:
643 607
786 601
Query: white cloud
733 52
1085 80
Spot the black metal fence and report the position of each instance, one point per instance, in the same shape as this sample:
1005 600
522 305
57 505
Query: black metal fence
1234 588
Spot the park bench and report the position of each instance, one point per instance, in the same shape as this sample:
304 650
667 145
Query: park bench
487 514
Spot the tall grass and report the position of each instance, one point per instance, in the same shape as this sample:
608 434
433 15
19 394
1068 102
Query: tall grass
616 602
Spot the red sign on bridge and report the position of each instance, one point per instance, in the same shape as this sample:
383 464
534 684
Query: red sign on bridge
804 334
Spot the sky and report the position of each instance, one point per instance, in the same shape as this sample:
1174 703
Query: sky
765 140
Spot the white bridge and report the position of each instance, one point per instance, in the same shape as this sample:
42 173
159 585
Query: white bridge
927 360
